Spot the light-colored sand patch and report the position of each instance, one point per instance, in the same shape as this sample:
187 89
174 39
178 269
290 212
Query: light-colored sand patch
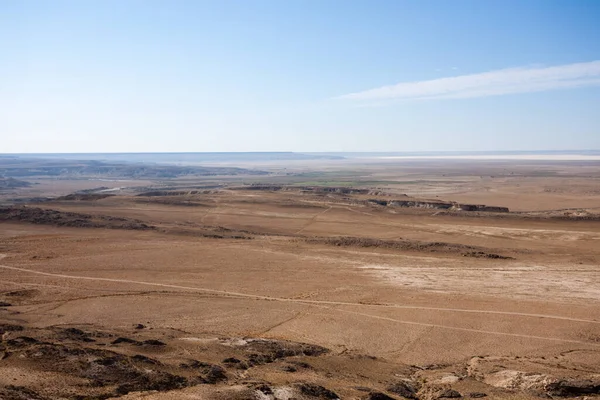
199 340
511 280
520 233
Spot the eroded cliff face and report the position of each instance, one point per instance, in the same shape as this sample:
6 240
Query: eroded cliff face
420 204
479 207
311 189
440 205
334 190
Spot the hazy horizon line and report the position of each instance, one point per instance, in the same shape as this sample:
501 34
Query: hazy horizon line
309 152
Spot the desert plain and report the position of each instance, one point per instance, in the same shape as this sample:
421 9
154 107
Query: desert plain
306 279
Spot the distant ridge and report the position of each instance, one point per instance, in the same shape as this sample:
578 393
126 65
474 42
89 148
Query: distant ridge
183 157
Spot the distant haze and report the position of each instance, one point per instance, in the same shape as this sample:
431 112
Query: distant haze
282 158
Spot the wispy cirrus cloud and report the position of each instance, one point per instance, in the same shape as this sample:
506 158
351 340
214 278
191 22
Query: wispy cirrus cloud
493 83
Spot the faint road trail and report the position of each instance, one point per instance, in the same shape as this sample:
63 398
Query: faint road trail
325 304
313 219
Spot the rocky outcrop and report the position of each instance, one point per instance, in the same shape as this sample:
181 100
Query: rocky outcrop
420 204
84 196
99 363
406 245
404 203
479 207
310 189
43 216
440 205
162 193
502 373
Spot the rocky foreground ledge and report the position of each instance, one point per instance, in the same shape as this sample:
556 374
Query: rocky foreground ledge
69 362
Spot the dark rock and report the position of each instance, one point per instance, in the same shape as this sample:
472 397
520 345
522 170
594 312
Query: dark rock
449 394
301 364
404 389
153 342
480 207
104 370
5 304
215 375
195 364
140 326
477 395
235 363
144 359
267 351
265 389
125 340
260 359
161 382
11 392
10 328
481 254
378 202
437 392
312 390
22 293
21 341
108 361
569 388
77 334
378 396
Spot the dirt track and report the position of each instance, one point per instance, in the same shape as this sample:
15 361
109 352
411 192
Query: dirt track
339 303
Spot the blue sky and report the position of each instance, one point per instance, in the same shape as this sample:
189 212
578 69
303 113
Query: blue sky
288 75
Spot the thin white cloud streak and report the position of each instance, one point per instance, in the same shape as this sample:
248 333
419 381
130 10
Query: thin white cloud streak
493 83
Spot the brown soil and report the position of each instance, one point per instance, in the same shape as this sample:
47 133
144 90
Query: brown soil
305 294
